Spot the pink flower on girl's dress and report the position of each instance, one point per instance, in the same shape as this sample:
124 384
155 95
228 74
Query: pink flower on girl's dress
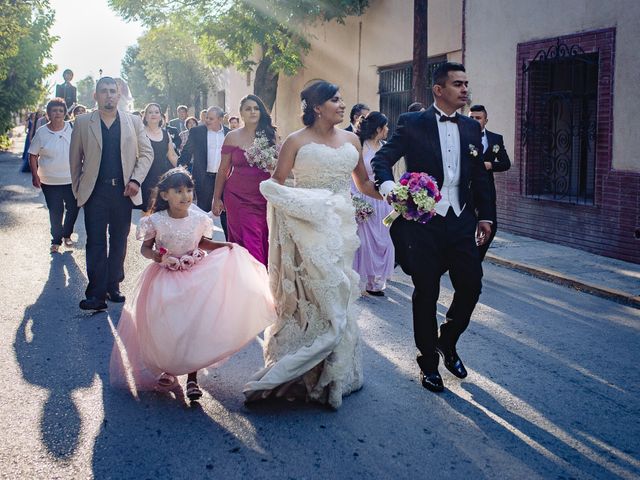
163 251
172 263
186 262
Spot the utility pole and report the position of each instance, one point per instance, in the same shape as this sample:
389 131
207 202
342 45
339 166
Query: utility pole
420 55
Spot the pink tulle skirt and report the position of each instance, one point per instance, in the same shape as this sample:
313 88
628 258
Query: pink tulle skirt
177 322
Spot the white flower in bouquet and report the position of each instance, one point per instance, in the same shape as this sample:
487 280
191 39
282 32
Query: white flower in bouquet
261 154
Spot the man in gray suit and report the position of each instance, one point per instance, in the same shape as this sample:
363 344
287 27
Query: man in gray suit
179 123
109 156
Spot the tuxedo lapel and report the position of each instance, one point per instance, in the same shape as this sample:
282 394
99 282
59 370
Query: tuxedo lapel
96 128
434 150
465 142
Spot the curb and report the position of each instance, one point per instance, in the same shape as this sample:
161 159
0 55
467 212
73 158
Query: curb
561 279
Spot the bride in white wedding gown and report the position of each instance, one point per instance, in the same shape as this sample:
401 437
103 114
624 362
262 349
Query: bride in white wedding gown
312 352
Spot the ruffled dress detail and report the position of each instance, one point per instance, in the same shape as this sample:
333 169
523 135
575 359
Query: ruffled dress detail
313 350
182 321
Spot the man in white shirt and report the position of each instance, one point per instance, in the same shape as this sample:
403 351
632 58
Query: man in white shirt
448 147
202 154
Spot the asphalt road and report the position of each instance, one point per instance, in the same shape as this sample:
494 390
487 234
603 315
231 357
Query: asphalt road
553 389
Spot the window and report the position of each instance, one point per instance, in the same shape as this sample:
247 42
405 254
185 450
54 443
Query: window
395 89
559 124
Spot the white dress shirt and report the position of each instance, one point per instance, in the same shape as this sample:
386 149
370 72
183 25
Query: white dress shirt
450 149
485 141
214 149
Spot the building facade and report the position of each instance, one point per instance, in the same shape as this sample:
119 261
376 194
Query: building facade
557 78
559 82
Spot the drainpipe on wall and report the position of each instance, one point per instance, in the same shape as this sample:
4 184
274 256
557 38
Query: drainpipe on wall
359 60
420 53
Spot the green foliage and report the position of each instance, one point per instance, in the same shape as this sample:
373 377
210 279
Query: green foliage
234 32
133 73
166 67
86 88
25 44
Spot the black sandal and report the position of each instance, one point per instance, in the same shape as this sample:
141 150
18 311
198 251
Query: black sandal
193 391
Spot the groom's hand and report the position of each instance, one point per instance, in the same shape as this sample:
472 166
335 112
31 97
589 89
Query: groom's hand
483 232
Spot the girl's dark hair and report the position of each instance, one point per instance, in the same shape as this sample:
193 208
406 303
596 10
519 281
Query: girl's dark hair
174 178
191 119
315 94
368 126
144 113
265 124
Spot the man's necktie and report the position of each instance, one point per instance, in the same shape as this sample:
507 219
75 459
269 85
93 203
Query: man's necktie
444 118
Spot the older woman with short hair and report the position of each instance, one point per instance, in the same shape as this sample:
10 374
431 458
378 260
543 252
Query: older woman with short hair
49 160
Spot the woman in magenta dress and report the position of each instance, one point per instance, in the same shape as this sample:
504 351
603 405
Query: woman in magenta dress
238 181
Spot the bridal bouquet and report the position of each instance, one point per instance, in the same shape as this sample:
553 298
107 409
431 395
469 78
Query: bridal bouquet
363 209
184 262
261 154
414 197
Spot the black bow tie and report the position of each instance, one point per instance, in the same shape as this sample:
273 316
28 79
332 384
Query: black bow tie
444 118
484 134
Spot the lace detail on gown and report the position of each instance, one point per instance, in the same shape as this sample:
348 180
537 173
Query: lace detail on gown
313 348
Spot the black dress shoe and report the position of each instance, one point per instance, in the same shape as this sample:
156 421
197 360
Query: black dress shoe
432 381
116 296
92 303
453 363
375 293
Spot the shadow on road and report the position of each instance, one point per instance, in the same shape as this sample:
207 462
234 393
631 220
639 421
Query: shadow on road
55 351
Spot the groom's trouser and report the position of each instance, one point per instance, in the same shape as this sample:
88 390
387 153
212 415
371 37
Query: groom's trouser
426 252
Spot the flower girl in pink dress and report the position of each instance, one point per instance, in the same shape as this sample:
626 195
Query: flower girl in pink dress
189 310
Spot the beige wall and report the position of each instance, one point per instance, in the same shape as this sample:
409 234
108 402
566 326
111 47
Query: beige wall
335 56
490 57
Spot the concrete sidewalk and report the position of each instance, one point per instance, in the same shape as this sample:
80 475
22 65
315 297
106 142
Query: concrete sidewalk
602 276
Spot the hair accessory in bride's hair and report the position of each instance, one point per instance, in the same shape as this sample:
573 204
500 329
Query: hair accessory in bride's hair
303 105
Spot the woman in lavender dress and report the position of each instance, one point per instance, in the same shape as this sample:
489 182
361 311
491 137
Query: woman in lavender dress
239 182
374 260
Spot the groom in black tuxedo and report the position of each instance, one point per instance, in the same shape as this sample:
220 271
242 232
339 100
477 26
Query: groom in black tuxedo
496 159
447 146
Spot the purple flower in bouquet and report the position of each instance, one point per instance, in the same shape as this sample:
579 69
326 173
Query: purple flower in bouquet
414 197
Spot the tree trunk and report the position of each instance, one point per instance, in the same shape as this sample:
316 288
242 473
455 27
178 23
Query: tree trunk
265 83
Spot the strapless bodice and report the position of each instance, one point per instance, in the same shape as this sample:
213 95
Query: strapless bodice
320 166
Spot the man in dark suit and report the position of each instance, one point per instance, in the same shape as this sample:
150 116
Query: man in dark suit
67 91
357 111
447 146
203 152
495 159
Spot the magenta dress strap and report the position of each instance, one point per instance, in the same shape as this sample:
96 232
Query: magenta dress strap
230 148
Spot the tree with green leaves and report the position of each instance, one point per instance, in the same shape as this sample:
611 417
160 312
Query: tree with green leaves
264 36
25 45
166 67
86 88
133 72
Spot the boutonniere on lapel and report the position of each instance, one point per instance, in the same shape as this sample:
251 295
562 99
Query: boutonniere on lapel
496 148
473 151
